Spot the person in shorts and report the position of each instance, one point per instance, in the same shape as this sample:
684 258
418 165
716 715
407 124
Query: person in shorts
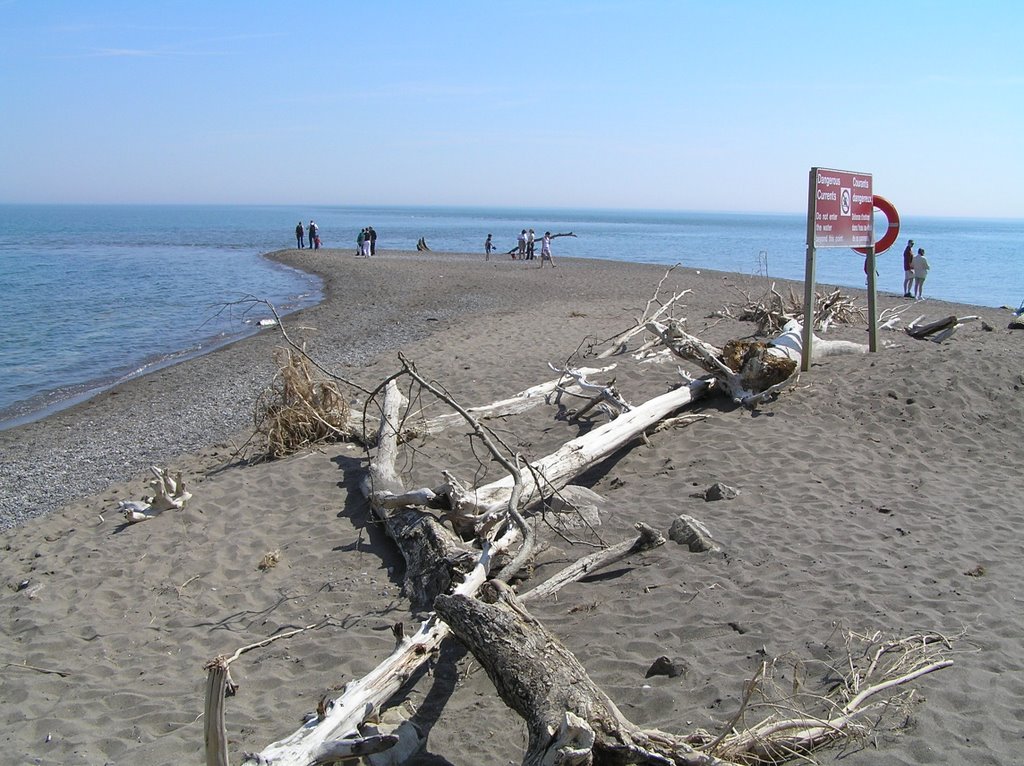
908 269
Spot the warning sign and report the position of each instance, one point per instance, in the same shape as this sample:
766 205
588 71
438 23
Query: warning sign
841 208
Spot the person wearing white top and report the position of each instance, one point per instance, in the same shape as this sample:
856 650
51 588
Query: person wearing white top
545 250
921 267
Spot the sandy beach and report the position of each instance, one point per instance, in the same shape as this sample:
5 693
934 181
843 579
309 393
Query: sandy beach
878 495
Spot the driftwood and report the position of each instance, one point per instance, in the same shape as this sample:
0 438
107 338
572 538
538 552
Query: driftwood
428 548
654 311
569 719
773 311
169 494
415 425
939 330
751 371
515 248
557 469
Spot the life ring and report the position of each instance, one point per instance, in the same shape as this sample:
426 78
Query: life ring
891 234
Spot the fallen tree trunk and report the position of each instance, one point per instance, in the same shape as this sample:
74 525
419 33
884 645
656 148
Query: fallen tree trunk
551 473
434 557
570 720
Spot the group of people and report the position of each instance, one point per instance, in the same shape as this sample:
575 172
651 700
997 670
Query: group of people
314 236
525 249
915 271
366 243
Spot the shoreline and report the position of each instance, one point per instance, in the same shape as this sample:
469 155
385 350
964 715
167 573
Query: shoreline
870 499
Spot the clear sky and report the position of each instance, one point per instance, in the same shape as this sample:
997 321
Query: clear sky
714 105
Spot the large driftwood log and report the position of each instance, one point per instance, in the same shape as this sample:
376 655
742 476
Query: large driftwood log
570 720
362 698
551 473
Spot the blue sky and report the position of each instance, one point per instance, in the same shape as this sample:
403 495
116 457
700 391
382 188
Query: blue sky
713 105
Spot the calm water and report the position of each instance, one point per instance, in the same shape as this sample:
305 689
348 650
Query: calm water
97 294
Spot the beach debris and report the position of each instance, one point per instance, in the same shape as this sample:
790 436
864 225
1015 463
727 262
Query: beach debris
220 685
717 491
299 408
938 330
462 544
439 561
1017 323
875 666
692 533
606 397
415 425
772 311
170 494
663 666
269 560
267 323
751 371
394 722
657 309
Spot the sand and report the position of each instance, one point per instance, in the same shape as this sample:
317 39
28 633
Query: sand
881 494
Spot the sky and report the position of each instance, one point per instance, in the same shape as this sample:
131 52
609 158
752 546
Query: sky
718 105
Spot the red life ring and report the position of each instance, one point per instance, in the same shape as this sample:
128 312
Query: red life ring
887 240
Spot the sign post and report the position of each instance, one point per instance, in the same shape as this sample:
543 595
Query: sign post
840 213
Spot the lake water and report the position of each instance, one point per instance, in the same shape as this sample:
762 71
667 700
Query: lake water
97 294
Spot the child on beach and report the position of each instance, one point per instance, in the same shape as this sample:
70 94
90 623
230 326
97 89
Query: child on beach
487 248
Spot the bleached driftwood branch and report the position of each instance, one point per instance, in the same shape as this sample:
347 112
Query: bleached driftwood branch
169 493
554 471
605 396
654 311
939 330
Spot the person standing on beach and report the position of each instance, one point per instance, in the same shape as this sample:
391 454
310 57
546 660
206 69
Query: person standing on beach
921 267
545 250
312 234
908 269
373 240
488 245
521 241
359 243
299 238
529 245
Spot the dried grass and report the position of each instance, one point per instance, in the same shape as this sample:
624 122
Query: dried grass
299 410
